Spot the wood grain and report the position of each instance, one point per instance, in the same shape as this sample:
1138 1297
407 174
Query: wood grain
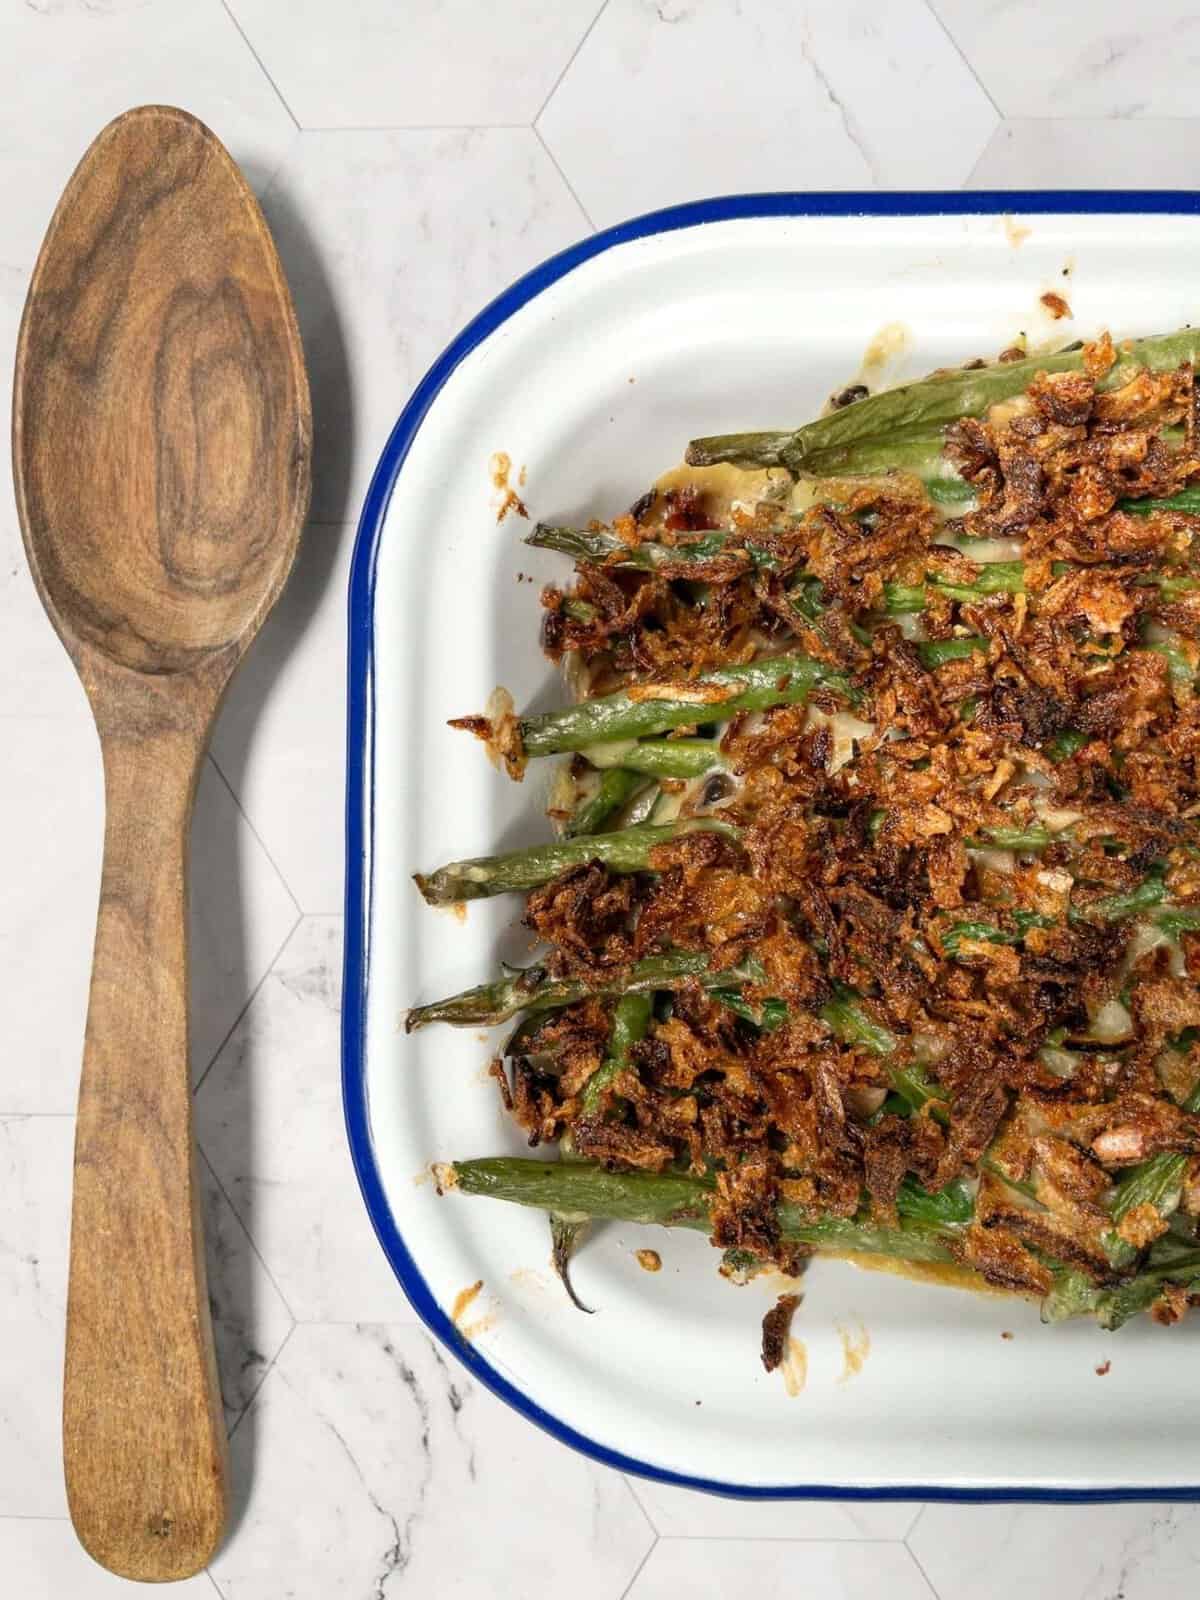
161 448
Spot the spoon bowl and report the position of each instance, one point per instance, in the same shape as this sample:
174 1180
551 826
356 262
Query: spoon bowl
162 469
161 448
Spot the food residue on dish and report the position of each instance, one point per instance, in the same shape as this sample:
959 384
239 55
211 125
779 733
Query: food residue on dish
888 345
499 468
776 1326
463 1299
528 1278
794 1368
1015 232
463 1302
1005 1334
497 729
444 1176
856 1347
1055 305
649 1260
1103 1370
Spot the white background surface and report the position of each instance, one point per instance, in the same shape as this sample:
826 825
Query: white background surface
413 159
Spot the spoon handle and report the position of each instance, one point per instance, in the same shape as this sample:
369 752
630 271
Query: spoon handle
143 1435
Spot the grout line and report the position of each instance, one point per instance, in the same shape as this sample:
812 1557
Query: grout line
20 1116
916 1563
245 816
778 1538
251 1403
632 1487
258 1256
958 50
969 180
420 127
250 999
31 1516
912 1527
261 67
638 1572
587 33
570 188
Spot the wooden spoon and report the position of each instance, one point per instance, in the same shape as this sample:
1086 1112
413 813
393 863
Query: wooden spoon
161 447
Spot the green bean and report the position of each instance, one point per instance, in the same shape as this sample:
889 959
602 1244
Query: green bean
534 990
935 653
677 1200
755 686
631 1018
836 443
625 851
659 758
616 787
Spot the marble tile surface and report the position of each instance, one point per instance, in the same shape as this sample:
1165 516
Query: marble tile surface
1089 153
413 160
269 1120
682 1514
374 64
367 224
1050 1553
42 1557
241 911
412 1480
35 1182
778 1569
864 103
1055 58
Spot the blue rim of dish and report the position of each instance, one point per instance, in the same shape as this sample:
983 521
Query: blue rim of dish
360 793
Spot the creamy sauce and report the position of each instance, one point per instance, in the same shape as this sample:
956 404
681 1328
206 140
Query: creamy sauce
856 1347
721 486
794 1368
946 1273
1016 233
885 349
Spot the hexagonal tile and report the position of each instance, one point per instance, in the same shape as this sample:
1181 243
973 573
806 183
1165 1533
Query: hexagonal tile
281 740
688 1514
1088 153
407 1471
44 1558
777 1568
269 1119
669 102
36 676
35 1180
372 64
1056 1553
51 824
1047 58
241 914
250 1320
81 64
391 241
51 829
